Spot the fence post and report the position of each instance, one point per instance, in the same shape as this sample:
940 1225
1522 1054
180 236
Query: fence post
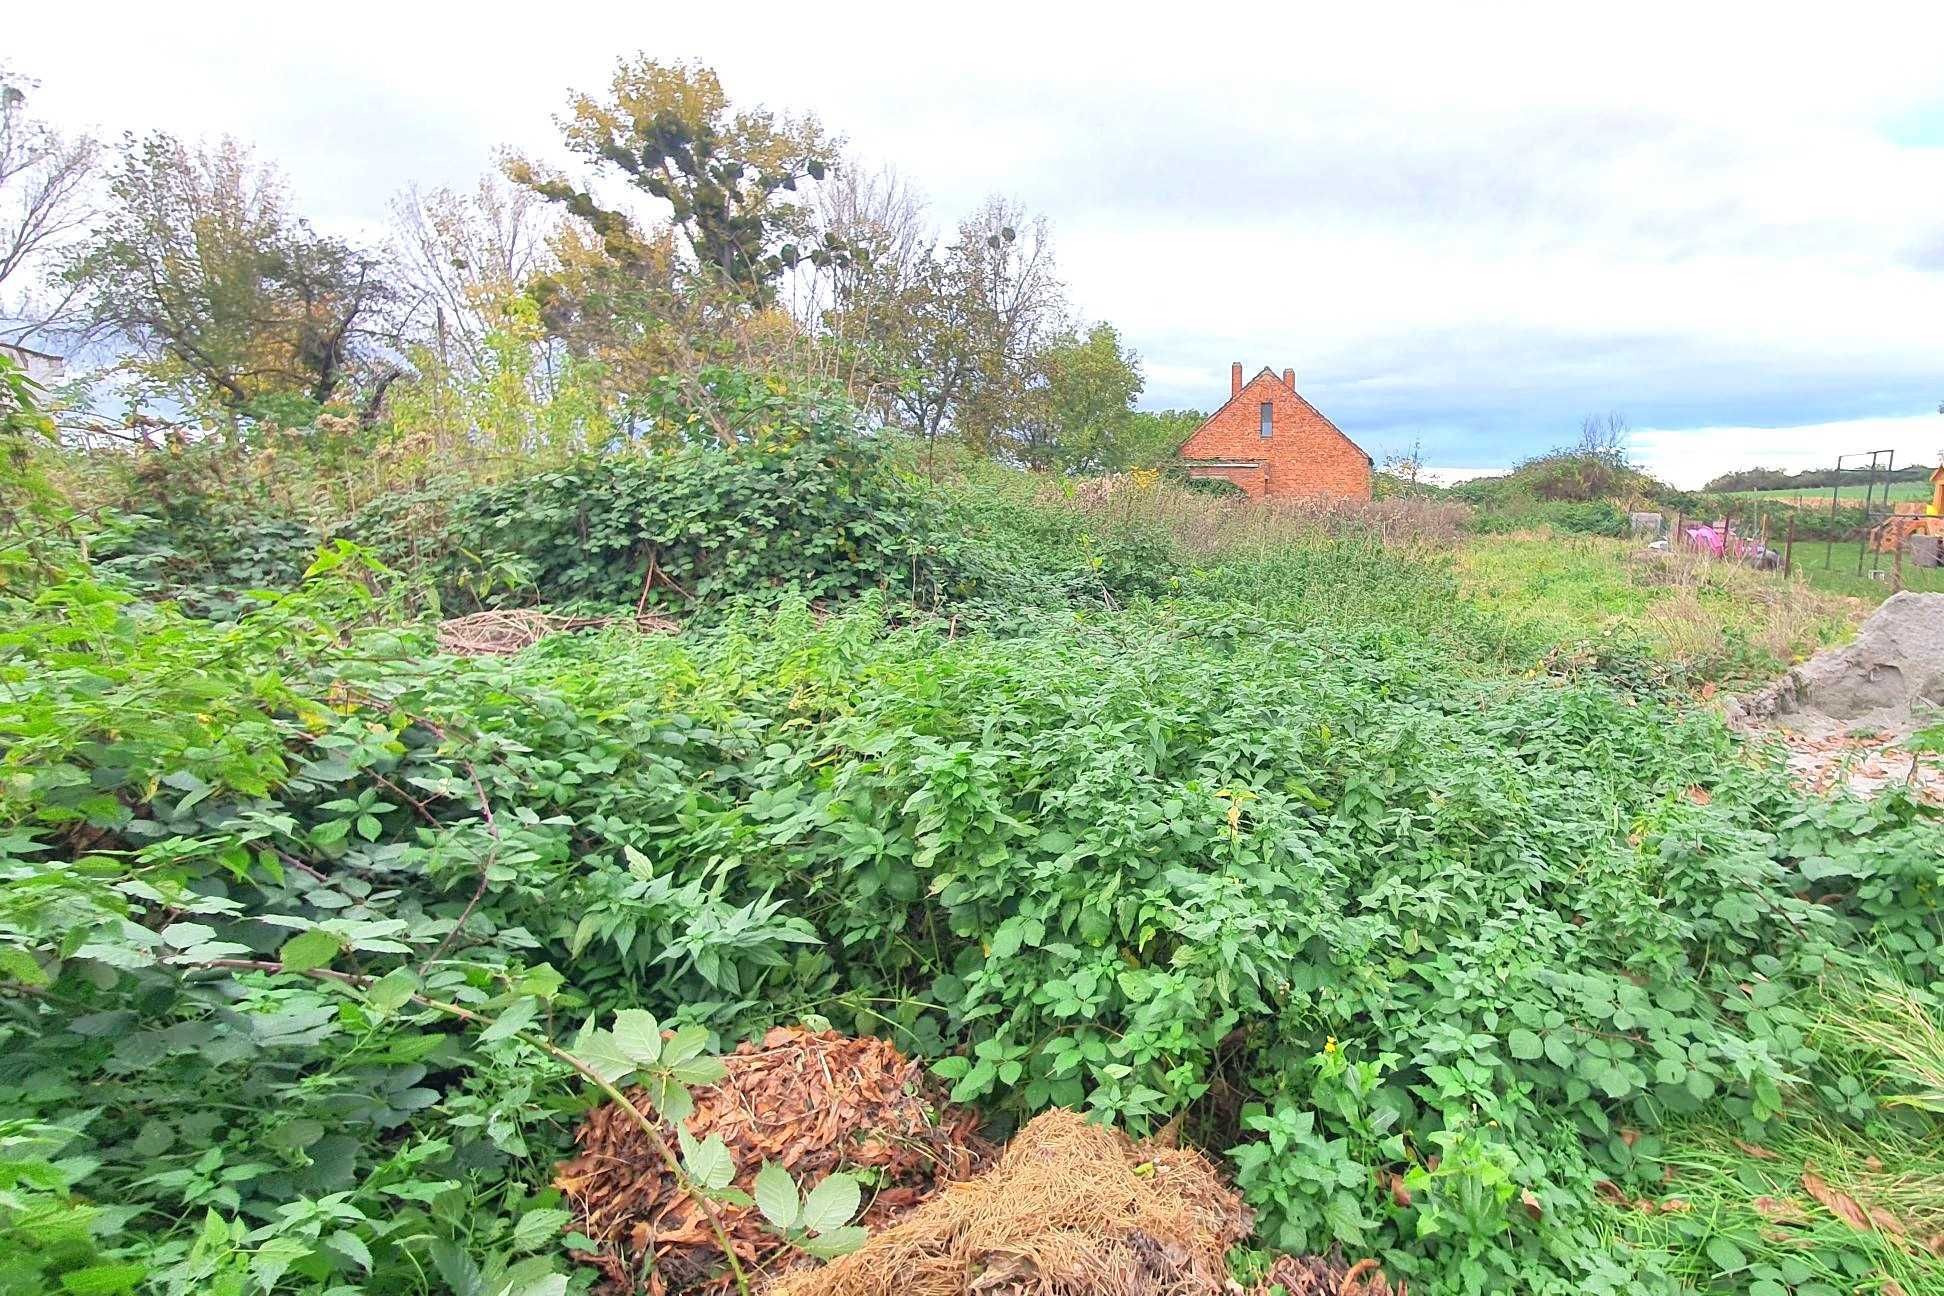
1788 548
1896 581
1674 541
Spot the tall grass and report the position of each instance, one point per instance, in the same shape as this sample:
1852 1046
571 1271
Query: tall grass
1205 525
1823 1204
1712 620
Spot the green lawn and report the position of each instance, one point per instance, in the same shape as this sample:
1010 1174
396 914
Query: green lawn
1833 569
1852 493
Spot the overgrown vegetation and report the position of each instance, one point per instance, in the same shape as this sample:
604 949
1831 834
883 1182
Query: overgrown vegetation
1427 898
1418 933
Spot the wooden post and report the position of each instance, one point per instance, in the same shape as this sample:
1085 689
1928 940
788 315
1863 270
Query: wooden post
1674 541
1896 581
1788 548
1727 533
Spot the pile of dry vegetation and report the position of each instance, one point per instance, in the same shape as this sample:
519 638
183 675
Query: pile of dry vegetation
1075 1209
812 1103
1070 1208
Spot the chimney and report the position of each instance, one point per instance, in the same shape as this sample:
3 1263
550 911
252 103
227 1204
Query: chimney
1289 379
1235 380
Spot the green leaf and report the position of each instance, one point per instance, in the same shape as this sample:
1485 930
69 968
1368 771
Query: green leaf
638 1035
1726 1255
776 1195
837 1242
351 1247
20 966
511 1021
538 1227
671 1100
391 991
457 1268
687 1042
274 1257
295 1135
307 950
186 935
710 1164
102 1279
605 1057
698 1071
1524 1045
552 1284
831 1204
541 980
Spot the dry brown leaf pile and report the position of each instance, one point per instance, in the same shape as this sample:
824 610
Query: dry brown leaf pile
813 1103
1073 1209
1328 1276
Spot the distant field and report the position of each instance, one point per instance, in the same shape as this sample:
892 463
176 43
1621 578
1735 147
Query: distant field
1852 493
1832 568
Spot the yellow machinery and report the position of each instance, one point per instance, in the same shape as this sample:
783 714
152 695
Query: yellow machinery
1913 517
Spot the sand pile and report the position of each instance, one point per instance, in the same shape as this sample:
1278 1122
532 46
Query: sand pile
1845 714
1890 679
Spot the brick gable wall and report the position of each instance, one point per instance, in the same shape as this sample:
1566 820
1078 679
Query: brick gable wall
1304 454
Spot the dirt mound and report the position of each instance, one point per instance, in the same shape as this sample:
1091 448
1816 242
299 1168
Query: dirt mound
1073 1209
813 1103
1887 680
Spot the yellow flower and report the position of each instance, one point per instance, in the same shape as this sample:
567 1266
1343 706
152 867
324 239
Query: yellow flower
1330 1045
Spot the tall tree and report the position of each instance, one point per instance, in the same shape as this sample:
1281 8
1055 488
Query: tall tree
1080 414
43 201
458 258
724 181
224 298
978 315
862 306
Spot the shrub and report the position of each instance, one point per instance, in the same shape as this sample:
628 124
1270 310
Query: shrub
1220 487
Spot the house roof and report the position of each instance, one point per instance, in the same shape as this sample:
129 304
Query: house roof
1272 376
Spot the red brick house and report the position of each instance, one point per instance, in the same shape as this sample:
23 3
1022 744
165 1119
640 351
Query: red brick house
1274 444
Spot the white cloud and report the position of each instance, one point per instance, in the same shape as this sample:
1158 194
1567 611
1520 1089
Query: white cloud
1470 225
1689 457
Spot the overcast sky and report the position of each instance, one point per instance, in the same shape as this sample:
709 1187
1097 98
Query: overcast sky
1724 221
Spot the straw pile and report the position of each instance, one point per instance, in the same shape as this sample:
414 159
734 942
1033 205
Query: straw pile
505 631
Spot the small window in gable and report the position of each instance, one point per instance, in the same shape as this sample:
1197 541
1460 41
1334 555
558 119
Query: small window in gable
1268 419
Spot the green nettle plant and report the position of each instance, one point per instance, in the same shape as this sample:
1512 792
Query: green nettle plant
260 989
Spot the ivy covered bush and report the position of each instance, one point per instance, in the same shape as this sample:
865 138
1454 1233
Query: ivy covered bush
809 506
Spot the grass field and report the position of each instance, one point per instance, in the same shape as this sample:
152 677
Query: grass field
1832 568
1852 494
1712 620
